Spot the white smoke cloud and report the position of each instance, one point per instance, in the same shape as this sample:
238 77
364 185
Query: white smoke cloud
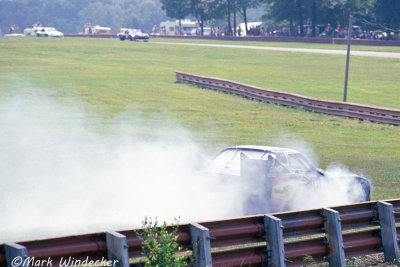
64 171
337 187
61 176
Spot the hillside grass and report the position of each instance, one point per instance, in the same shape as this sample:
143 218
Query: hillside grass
108 77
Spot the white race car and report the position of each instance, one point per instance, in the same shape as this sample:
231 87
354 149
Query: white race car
279 173
132 34
48 32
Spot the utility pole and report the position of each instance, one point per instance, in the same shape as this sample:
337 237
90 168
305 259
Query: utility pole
348 58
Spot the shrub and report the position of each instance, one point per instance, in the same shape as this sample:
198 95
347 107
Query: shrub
160 246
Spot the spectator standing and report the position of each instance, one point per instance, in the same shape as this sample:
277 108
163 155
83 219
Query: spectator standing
328 30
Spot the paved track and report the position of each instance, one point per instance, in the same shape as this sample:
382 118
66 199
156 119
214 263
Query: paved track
299 50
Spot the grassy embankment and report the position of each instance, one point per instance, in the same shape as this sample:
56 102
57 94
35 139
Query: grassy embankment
108 76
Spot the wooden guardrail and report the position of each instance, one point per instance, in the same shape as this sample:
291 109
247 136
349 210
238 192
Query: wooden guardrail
278 239
338 108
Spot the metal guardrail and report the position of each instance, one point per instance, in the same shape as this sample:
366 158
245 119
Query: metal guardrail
278 239
338 108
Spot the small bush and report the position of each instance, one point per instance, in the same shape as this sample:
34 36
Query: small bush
160 246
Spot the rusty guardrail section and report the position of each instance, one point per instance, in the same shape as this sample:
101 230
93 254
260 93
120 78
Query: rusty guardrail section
338 108
277 239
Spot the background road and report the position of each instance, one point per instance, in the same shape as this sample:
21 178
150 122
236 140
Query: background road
300 50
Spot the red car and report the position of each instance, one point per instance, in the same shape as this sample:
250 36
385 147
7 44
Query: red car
132 34
138 35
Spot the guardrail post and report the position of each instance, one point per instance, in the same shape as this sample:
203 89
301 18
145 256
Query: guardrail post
388 230
16 255
275 245
201 246
117 249
333 229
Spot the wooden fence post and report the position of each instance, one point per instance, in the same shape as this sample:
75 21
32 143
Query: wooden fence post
201 246
16 255
333 229
275 245
117 249
388 231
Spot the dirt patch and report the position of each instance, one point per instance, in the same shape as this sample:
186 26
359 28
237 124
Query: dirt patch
370 260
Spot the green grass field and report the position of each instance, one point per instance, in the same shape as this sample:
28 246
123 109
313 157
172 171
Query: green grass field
108 77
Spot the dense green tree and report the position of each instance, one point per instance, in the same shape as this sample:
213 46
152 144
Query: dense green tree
337 12
334 12
301 16
244 5
229 9
314 17
283 10
226 9
388 13
204 10
177 9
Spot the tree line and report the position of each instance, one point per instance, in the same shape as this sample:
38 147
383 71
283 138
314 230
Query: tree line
382 14
206 10
70 15
372 14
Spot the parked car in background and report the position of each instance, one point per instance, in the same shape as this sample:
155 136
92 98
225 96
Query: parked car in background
95 29
31 31
182 27
281 176
48 32
378 35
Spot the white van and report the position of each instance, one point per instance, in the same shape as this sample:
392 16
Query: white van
188 27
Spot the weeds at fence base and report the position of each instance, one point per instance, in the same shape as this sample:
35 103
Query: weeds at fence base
159 246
